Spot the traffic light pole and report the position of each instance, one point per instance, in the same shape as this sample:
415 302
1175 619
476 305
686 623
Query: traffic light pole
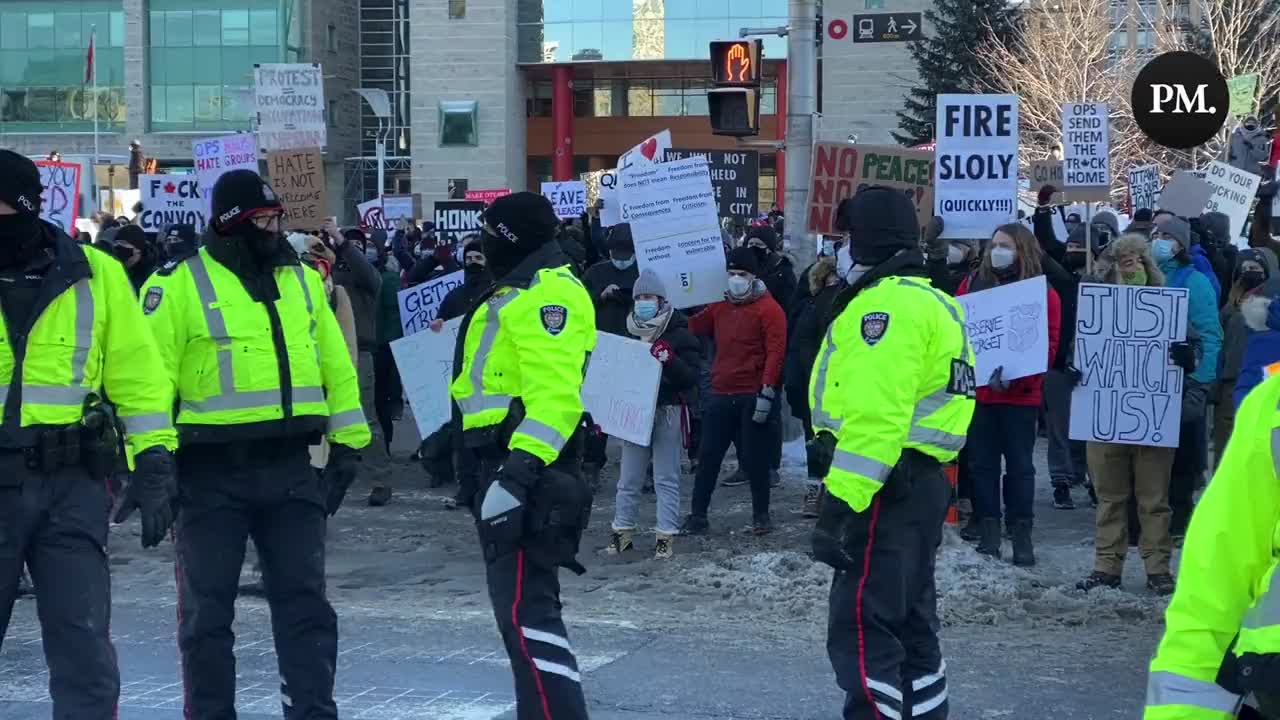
802 105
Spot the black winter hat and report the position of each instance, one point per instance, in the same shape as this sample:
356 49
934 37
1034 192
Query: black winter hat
766 234
473 246
131 235
240 195
620 238
742 258
524 219
20 186
180 233
881 221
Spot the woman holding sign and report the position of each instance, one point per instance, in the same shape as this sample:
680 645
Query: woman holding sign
1004 420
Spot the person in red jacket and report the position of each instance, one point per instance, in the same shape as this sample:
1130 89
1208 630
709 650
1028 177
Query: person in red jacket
1004 420
750 334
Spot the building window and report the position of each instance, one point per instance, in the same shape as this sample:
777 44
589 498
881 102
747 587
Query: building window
459 123
331 38
42 66
457 9
331 118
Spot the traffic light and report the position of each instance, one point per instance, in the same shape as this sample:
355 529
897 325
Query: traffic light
734 100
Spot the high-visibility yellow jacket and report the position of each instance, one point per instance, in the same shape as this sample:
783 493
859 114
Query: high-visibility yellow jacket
528 340
220 349
1228 587
895 371
88 338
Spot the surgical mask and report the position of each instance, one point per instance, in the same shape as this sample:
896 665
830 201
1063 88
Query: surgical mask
646 310
955 255
828 248
371 254
1002 257
739 285
622 264
1162 250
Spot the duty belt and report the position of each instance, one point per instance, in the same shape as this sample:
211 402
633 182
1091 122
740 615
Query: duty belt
55 448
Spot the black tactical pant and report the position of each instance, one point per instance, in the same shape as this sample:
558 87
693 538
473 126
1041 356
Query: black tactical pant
268 492
57 524
882 632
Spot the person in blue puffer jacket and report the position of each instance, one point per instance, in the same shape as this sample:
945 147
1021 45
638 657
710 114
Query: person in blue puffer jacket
1171 249
1262 346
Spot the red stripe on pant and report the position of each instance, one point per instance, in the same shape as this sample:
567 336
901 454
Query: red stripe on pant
515 624
182 664
862 585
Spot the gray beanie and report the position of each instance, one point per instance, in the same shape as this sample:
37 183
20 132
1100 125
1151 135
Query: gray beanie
1108 218
649 284
1178 229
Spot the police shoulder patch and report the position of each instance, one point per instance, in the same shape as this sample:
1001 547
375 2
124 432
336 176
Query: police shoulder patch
874 326
151 300
553 318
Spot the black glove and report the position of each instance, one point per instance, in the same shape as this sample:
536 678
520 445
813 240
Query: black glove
1183 354
1074 376
819 451
502 512
831 535
152 490
339 473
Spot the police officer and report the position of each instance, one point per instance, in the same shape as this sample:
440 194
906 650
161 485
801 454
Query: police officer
880 448
1221 646
519 364
71 332
178 242
261 371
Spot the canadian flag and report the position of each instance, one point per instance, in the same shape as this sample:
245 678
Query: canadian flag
88 60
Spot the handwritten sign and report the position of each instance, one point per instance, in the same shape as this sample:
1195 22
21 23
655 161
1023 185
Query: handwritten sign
60 194
289 100
569 198
1144 187
840 170
298 178
425 361
1008 327
1233 193
651 151
1130 393
168 200
1050 172
214 157
976 186
621 387
420 304
1086 145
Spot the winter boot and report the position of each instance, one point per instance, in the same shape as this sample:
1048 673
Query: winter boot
989 537
812 490
1023 553
972 531
1062 495
761 524
1160 583
619 542
663 548
695 525
1097 580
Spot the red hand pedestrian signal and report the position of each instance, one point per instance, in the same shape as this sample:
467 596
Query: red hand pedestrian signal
737 64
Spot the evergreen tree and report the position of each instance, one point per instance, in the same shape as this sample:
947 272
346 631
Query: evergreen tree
947 60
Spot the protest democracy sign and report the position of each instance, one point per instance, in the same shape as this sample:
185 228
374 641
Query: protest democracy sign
486 196
672 212
169 200
1233 193
401 207
456 219
420 304
289 103
735 178
1050 172
1185 195
1130 392
215 157
621 387
976 183
425 361
297 176
841 169
651 151
59 194
1086 146
1008 327
371 216
568 198
1144 187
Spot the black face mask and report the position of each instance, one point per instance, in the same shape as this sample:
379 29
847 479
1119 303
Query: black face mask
762 254
1076 259
123 253
21 240
473 269
1251 279
264 245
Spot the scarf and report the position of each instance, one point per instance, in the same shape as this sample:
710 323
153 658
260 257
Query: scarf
756 292
649 330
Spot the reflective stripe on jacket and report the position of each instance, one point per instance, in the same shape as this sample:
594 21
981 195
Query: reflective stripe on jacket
91 339
218 348
529 343
1227 587
894 372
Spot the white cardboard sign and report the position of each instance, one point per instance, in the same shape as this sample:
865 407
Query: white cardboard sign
569 198
649 152
215 157
672 210
420 304
289 103
1008 326
372 216
1144 187
1130 393
621 387
1086 145
610 209
976 178
1233 193
170 199
425 361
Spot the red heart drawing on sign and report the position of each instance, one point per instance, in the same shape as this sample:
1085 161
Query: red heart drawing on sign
649 148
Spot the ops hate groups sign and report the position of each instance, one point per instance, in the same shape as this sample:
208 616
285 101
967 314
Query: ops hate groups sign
976 183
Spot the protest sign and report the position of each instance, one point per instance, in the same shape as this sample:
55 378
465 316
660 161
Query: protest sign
1185 195
651 151
1144 187
621 387
420 304
976 185
1129 393
568 198
1050 172
401 207
735 178
1086 146
59 194
1233 193
371 216
841 169
297 176
289 103
602 192
169 200
1008 327
425 362
486 196
1242 90
215 157
456 219
672 212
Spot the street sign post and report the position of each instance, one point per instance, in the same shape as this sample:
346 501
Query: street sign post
886 27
